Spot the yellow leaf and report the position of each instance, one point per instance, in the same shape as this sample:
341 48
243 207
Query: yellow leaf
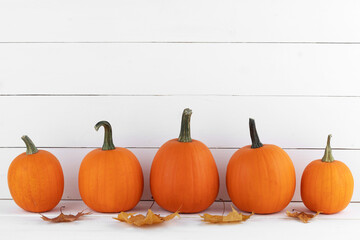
232 217
65 217
140 220
304 217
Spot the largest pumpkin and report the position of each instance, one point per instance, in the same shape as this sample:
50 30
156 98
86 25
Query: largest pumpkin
110 178
260 178
183 174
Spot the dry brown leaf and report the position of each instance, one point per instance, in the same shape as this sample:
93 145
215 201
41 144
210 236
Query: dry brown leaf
304 217
149 219
65 217
232 217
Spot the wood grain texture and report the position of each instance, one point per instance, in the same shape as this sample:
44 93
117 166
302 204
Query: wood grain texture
180 69
190 20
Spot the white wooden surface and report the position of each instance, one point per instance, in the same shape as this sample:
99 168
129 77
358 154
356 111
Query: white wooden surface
149 121
292 65
186 20
17 224
179 69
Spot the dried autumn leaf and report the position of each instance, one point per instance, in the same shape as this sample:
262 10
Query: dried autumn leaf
65 217
232 217
304 217
140 220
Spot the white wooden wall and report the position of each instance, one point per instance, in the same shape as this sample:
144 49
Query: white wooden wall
291 65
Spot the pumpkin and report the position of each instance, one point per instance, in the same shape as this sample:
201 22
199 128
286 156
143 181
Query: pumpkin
110 178
260 178
35 179
183 175
327 185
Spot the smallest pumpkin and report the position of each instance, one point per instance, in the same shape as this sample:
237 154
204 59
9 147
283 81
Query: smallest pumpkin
327 185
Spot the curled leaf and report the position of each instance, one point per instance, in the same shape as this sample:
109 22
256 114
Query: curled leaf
140 220
232 217
304 217
65 217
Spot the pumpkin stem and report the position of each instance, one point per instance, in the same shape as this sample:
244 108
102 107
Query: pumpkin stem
108 140
253 134
185 135
30 146
328 157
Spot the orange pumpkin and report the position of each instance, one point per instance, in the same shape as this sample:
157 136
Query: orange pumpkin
35 179
183 174
110 179
327 185
260 178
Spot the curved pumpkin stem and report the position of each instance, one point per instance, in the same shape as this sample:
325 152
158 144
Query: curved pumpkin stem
328 157
108 140
30 146
253 134
185 135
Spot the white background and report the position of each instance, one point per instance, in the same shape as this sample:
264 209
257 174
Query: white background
291 65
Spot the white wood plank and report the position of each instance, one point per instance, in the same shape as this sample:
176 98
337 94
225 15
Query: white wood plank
168 69
17 224
71 159
199 20
290 122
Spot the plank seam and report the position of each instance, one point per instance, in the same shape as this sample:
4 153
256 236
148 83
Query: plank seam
151 200
215 148
178 42
168 95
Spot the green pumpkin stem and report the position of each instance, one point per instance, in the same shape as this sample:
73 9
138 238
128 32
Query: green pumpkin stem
30 146
253 134
185 135
108 140
328 157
